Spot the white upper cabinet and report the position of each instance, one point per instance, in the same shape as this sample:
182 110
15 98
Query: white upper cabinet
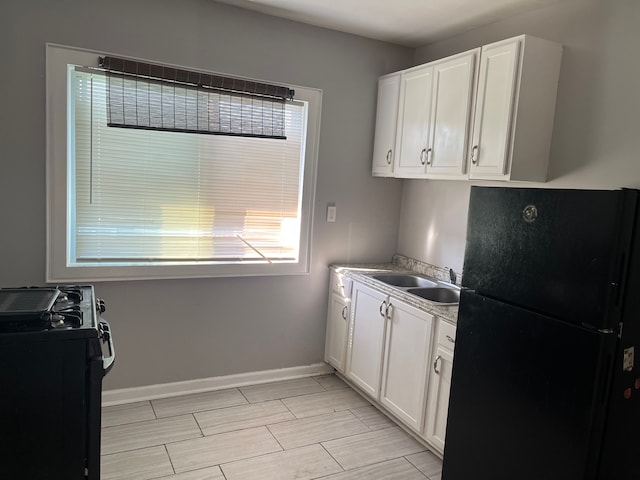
484 114
434 118
386 122
515 107
453 89
414 117
496 96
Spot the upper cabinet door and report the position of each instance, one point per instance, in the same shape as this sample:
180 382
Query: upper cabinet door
515 108
386 122
414 115
453 89
494 109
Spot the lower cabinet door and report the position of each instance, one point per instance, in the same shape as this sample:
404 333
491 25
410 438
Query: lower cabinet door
406 363
439 386
337 330
366 339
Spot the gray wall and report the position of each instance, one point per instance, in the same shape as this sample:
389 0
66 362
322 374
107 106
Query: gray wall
596 128
176 330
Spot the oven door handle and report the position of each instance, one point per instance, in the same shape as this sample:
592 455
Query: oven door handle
105 330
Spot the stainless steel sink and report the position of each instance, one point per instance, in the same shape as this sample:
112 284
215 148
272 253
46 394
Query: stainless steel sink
442 295
435 291
404 280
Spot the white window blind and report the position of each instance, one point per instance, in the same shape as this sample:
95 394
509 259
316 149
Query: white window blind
158 197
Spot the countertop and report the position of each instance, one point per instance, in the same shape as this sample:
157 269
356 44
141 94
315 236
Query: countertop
362 274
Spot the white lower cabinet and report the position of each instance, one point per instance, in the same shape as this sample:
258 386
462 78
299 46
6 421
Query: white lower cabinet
393 358
406 362
337 321
337 331
439 386
366 339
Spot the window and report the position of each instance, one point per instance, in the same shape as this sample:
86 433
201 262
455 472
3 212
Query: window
127 203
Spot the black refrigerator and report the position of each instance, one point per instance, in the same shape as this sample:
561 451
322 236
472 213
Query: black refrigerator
546 382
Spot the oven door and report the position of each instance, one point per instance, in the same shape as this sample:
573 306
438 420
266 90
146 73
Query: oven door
43 407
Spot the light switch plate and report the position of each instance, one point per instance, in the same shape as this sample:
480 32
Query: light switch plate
331 213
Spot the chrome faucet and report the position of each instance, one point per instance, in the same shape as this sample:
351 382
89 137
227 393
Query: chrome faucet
452 276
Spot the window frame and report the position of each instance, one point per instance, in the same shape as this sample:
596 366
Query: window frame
60 210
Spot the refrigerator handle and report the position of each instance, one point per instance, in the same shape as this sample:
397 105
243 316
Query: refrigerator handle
617 284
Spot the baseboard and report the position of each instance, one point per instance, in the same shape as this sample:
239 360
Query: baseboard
151 392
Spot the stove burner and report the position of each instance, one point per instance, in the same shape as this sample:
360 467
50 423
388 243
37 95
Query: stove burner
67 317
57 320
72 294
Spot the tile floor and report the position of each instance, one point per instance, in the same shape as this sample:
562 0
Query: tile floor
301 429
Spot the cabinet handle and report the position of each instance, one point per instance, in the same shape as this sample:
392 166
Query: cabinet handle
344 312
474 155
389 157
435 364
383 304
448 338
429 156
386 311
422 154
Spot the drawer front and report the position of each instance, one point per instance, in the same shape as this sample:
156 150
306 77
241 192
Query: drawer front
446 335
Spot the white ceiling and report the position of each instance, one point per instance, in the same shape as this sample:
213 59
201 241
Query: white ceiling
412 23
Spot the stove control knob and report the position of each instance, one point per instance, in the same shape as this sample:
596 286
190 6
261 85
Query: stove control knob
101 306
57 320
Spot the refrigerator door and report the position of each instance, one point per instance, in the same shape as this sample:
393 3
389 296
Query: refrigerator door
528 395
558 252
622 435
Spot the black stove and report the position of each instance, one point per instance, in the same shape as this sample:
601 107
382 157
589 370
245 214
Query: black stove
55 349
